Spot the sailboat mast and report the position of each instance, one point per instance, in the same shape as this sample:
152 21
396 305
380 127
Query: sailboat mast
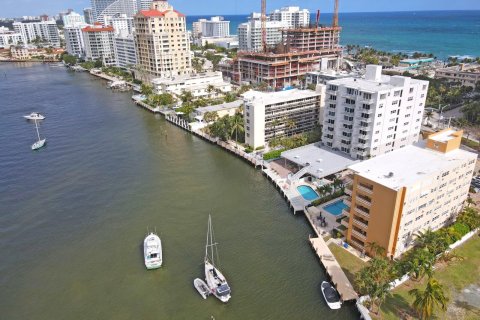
208 234
211 239
36 127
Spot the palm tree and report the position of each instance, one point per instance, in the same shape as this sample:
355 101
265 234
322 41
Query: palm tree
426 300
210 88
425 238
470 201
419 263
237 125
428 115
337 183
274 125
290 124
328 188
186 96
375 249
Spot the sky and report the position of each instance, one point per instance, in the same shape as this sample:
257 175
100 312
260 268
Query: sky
18 8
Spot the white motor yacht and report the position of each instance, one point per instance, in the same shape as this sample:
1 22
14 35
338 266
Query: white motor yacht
152 251
34 116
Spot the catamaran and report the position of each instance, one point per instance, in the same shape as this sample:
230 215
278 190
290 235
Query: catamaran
34 116
152 251
215 280
41 142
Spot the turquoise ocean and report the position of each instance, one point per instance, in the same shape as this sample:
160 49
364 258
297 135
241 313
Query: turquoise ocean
443 33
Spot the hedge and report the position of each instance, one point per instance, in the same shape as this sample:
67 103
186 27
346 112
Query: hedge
273 154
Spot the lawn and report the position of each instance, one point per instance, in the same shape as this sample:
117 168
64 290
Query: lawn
470 143
350 264
454 276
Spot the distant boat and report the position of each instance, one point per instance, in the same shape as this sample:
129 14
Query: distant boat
152 251
41 142
331 295
34 116
201 287
215 280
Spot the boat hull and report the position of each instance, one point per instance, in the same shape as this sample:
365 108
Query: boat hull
215 280
34 117
332 305
201 287
152 252
39 144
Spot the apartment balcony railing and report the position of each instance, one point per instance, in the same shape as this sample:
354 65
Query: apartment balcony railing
363 202
359 235
346 222
360 224
364 189
348 179
366 101
346 212
348 190
362 213
347 202
356 243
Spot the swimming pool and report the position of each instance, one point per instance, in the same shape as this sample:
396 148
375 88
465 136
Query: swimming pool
307 193
335 208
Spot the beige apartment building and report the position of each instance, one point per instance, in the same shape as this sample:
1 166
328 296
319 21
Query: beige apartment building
161 40
466 74
396 195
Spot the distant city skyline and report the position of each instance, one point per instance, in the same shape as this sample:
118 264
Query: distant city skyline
19 8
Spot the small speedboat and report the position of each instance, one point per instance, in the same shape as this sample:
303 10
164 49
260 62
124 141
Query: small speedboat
152 250
34 116
331 295
201 287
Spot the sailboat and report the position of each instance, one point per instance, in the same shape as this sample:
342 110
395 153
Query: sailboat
41 142
213 277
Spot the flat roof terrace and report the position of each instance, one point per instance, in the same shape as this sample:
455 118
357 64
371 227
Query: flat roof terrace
321 161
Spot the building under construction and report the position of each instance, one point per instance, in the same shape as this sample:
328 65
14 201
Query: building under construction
302 50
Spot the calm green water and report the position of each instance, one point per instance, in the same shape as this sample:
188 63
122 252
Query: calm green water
73 215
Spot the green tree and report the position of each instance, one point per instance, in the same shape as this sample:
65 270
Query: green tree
375 249
210 116
186 97
425 301
290 124
418 263
146 89
237 125
69 59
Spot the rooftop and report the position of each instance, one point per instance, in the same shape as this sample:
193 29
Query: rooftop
444 136
385 83
156 13
224 106
322 161
181 78
279 96
408 165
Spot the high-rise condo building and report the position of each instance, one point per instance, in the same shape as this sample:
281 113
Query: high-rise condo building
144 4
99 44
9 38
121 24
102 8
74 42
161 39
44 30
125 53
216 27
88 15
370 116
294 17
250 33
73 19
418 187
277 114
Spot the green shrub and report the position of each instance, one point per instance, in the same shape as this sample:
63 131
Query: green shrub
260 148
273 154
461 228
248 149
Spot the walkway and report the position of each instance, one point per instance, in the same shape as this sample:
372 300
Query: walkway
337 276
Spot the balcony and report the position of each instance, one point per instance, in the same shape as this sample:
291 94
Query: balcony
345 222
360 224
347 202
348 179
364 189
359 235
357 243
346 212
363 202
362 213
348 190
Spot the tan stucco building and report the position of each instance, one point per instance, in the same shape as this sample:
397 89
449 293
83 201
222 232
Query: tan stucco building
161 41
398 194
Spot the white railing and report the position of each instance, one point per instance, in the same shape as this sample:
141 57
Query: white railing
359 235
360 224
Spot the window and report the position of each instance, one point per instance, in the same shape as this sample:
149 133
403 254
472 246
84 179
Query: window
367 96
383 97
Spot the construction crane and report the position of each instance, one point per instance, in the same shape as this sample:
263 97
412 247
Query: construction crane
264 25
335 15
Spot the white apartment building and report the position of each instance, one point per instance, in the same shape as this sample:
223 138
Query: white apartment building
294 17
9 38
73 19
125 53
268 114
102 8
161 39
198 85
419 187
370 116
99 44
121 24
216 27
250 33
197 28
74 42
45 30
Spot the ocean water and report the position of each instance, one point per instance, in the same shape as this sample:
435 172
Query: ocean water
443 33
